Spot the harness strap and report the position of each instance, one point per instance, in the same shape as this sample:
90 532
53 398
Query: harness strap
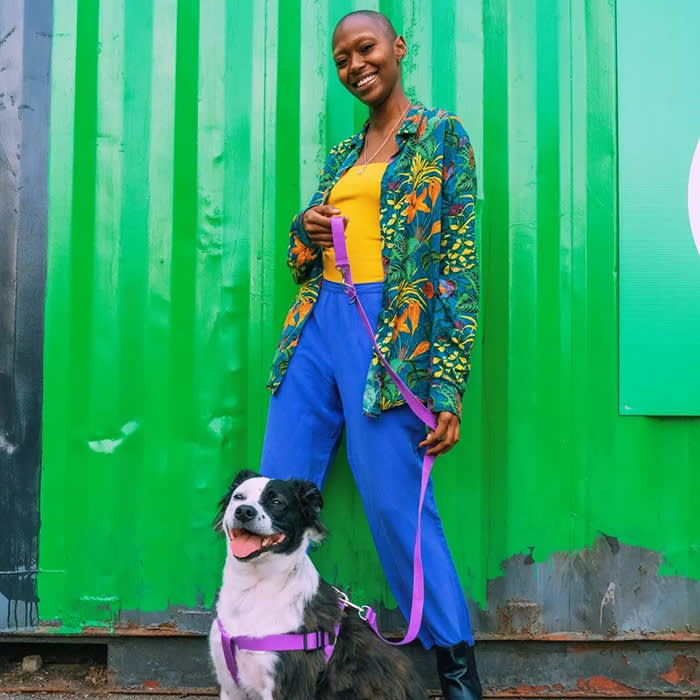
309 641
419 409
227 644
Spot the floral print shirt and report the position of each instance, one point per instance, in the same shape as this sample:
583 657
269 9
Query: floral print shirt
431 288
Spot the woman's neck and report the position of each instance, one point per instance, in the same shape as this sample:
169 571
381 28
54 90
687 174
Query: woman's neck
385 115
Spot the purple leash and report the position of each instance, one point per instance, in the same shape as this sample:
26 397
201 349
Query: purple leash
417 406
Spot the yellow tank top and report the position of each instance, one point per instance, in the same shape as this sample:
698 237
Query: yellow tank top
356 194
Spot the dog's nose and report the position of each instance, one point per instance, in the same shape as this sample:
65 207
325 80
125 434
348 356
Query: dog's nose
245 513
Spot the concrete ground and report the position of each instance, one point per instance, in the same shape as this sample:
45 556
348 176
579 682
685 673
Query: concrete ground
108 696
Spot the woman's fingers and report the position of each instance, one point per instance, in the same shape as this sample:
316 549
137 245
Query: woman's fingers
320 238
444 437
317 224
326 210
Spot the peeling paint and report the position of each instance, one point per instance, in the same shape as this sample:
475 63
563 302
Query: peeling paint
608 598
683 670
527 600
602 684
110 445
518 616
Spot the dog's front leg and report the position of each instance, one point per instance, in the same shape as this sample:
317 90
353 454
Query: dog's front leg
238 694
267 691
268 694
228 688
232 692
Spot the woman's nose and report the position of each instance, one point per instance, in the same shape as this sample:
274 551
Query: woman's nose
356 62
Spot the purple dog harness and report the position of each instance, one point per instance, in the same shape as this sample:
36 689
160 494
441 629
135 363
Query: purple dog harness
309 641
319 639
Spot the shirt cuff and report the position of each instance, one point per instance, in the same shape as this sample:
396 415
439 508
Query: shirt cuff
445 396
300 231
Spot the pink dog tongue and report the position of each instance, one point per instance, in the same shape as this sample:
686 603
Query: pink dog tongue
243 544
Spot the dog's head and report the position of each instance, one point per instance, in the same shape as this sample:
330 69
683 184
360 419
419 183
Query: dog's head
261 515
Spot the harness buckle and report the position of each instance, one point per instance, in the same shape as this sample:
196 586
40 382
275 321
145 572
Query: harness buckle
310 636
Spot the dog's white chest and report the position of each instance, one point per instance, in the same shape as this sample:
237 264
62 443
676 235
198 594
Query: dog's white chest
273 605
255 670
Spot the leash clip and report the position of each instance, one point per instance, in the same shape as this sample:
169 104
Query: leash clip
345 602
349 288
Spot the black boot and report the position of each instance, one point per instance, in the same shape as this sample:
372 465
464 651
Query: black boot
457 670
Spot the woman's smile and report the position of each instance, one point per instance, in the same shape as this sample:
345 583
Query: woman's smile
366 80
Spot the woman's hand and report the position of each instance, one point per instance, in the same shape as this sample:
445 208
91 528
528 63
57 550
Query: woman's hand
444 437
317 224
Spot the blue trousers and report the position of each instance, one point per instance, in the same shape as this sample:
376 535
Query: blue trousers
322 392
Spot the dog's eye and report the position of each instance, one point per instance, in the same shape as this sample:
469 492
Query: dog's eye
238 497
277 502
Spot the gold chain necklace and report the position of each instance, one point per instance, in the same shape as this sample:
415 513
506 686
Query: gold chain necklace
389 135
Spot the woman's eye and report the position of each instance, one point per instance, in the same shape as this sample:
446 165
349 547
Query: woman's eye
340 63
367 47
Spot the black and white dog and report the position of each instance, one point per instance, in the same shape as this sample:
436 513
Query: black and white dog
272 591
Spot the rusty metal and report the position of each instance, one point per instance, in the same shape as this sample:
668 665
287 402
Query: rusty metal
112 690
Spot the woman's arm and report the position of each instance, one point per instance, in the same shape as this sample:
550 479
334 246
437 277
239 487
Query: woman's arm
302 256
457 302
303 253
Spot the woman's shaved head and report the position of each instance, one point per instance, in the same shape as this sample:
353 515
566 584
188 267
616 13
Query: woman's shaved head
382 20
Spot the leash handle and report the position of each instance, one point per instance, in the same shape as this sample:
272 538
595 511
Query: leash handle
419 409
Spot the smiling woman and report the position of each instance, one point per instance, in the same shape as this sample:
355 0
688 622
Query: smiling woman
405 187
367 56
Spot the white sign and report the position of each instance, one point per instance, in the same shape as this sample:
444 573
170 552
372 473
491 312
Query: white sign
694 196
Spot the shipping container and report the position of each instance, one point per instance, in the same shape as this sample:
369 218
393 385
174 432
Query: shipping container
143 243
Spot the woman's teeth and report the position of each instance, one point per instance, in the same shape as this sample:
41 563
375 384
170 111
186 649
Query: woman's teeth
366 81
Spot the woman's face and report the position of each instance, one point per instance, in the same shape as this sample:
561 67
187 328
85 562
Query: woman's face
367 60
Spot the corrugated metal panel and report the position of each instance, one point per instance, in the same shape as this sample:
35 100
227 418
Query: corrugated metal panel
25 54
561 467
184 136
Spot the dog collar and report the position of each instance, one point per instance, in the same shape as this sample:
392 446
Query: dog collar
309 641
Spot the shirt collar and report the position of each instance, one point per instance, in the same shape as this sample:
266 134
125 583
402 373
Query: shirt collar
408 128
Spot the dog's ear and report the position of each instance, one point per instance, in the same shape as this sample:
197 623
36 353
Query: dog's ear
311 501
241 477
223 503
309 495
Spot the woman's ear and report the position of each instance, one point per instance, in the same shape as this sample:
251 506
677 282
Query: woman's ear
400 49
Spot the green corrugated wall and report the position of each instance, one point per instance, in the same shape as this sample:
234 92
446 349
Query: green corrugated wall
184 136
